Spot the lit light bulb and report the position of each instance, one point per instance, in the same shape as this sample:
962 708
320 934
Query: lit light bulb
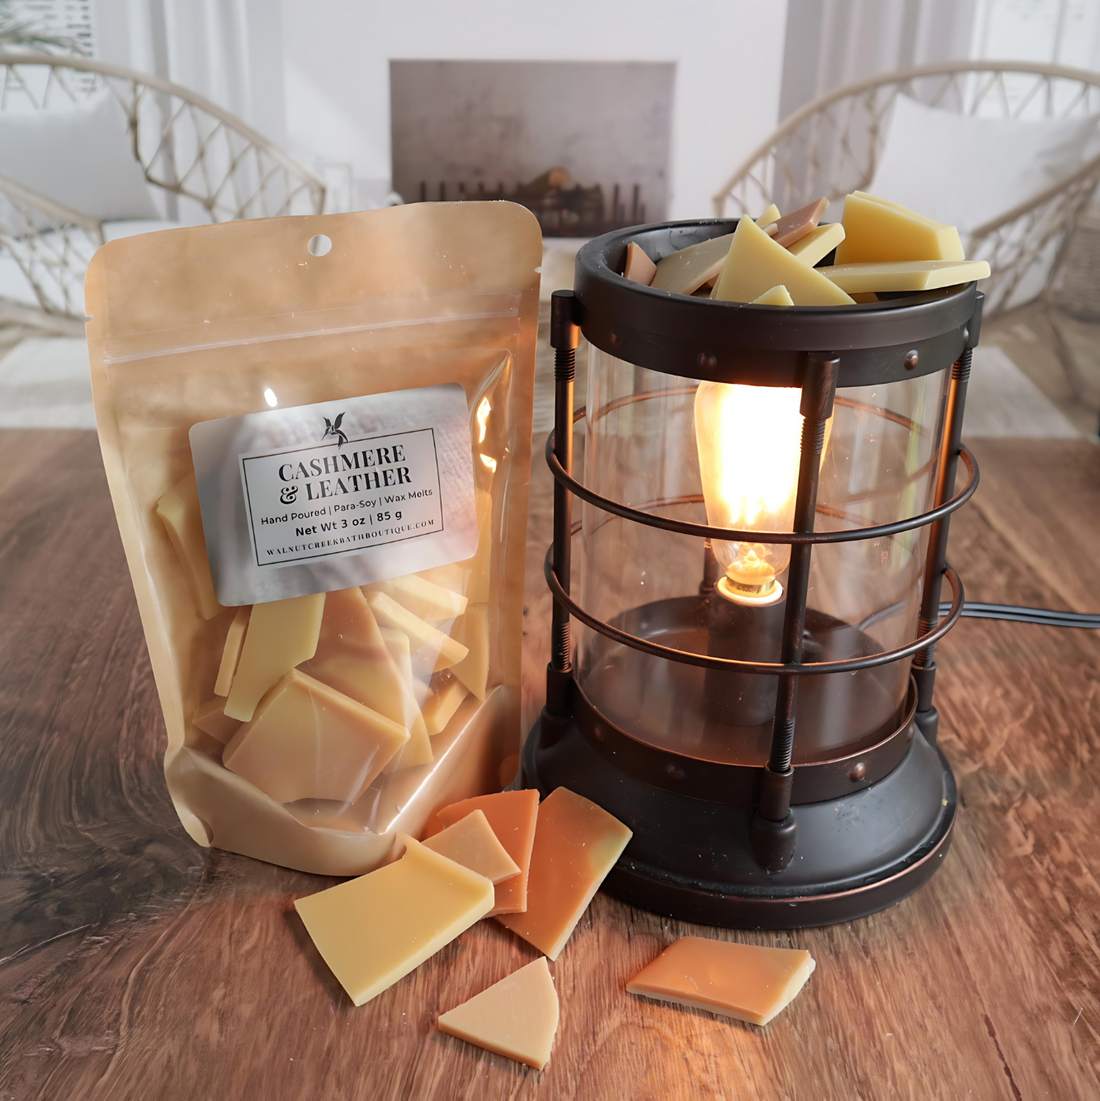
749 440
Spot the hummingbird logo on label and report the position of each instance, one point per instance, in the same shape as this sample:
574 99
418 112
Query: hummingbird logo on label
332 428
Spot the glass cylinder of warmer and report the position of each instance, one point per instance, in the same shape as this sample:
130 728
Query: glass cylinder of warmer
723 455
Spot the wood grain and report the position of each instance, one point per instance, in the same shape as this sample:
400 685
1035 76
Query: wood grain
135 964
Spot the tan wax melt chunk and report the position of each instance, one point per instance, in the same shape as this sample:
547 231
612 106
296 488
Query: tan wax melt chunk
432 649
231 652
212 719
818 243
281 634
512 816
472 630
755 263
685 271
777 296
179 509
905 275
442 701
308 741
639 268
472 843
516 1017
576 845
425 599
877 229
795 226
769 218
743 981
374 930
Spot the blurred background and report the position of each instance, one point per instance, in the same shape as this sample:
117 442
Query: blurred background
121 116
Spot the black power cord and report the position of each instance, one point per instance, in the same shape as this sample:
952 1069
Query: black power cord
1044 617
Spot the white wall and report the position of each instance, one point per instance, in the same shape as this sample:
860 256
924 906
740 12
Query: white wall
729 56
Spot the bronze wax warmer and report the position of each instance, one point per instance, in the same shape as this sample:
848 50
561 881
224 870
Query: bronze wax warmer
765 508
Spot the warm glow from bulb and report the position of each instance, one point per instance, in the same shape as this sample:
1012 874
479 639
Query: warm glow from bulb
749 440
482 415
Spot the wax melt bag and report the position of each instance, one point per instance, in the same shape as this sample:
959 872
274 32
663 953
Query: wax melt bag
317 437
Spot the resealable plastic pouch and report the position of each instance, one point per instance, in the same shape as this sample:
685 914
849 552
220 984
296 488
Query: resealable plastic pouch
319 462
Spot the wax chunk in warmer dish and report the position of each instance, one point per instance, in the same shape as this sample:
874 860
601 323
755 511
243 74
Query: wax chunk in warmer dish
576 845
374 930
877 229
281 635
308 741
905 275
472 843
512 816
179 510
231 652
795 226
431 648
744 981
777 296
755 263
516 1017
818 243
638 268
769 217
685 271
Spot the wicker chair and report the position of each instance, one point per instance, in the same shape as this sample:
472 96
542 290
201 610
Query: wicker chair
206 164
831 147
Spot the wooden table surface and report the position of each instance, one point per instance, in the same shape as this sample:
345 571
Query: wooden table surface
135 964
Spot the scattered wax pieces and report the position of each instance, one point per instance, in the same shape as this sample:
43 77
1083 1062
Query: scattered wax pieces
281 634
818 243
374 930
308 741
512 816
756 263
638 268
795 226
685 271
744 981
516 1017
777 296
472 843
877 229
231 652
905 275
576 845
178 508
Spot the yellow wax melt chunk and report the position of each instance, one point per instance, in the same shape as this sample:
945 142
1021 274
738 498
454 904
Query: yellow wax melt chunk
374 930
817 244
472 630
472 843
769 217
516 1017
756 263
432 649
686 270
231 652
281 634
905 275
877 229
425 599
400 649
442 702
308 741
178 508
743 981
777 296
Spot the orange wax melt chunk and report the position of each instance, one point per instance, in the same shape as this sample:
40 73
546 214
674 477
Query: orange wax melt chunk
639 268
511 816
744 981
576 845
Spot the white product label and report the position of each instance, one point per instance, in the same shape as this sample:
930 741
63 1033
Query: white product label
340 493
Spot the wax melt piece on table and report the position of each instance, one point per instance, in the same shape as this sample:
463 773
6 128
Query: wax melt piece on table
472 631
576 845
769 217
432 649
744 981
281 634
817 244
472 843
374 930
211 718
425 599
777 296
801 222
685 271
638 268
178 508
308 741
516 1017
231 652
512 816
877 229
755 263
443 700
905 275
